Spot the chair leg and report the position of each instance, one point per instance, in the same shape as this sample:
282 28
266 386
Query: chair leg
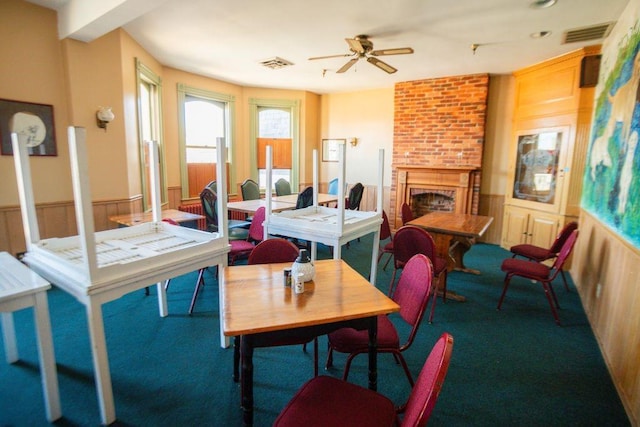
387 263
405 367
347 366
548 291
564 279
329 363
507 279
199 284
434 298
444 285
391 285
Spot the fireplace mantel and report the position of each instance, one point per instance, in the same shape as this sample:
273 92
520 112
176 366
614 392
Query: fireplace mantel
460 179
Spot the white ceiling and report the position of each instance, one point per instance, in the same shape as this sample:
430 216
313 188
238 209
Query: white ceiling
226 40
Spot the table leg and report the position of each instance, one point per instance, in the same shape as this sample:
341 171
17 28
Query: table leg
9 335
373 353
246 379
459 246
46 357
100 362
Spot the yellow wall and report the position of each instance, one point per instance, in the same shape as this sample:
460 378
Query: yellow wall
368 116
32 70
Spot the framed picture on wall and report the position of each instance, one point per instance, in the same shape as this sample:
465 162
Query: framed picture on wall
30 119
330 149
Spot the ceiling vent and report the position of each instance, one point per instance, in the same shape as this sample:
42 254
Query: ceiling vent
275 63
584 34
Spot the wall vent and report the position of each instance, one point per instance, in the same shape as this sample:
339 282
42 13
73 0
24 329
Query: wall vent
584 34
275 63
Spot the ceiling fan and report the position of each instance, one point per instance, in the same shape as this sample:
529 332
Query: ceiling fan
361 47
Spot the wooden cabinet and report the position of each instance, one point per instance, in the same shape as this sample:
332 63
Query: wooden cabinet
527 226
552 121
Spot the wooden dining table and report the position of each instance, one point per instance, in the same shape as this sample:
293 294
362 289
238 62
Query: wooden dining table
251 206
338 297
323 198
454 234
128 220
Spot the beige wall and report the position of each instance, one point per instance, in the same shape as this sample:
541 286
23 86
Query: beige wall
32 70
368 116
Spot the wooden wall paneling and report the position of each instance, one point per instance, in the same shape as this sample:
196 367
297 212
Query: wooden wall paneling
492 205
4 233
606 270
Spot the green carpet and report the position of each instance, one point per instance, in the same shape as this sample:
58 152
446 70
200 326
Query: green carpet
511 367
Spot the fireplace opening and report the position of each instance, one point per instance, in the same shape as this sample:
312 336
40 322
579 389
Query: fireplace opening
425 201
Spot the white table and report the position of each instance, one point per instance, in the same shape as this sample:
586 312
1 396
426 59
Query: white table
21 288
98 267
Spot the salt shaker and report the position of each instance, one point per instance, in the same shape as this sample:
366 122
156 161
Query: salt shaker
298 285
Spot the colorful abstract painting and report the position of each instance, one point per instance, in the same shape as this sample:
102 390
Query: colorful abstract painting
611 188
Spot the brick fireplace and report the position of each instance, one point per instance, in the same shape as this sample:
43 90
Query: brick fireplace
444 189
439 127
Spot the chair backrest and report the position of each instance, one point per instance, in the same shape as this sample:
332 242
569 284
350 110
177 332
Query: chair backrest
208 199
170 221
305 198
413 291
333 186
272 251
564 253
427 388
410 240
385 228
283 188
355 197
563 236
405 213
256 229
250 190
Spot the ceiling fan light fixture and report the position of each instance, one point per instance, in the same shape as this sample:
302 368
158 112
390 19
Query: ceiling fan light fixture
382 65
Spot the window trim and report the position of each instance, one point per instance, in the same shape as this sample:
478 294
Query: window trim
229 132
294 108
144 73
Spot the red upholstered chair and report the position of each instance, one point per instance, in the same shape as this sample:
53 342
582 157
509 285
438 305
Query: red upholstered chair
412 295
385 233
410 240
327 401
273 251
537 253
406 214
239 248
538 272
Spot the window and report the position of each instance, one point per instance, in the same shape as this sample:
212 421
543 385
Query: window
204 123
150 126
275 123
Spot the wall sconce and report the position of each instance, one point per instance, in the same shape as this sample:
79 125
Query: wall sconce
353 141
103 116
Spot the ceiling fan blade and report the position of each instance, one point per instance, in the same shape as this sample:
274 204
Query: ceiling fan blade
331 56
396 51
355 45
382 65
348 65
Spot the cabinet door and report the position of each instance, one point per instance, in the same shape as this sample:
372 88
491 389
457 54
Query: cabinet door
542 230
515 226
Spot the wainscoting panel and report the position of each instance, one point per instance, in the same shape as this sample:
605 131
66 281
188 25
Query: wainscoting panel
492 205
